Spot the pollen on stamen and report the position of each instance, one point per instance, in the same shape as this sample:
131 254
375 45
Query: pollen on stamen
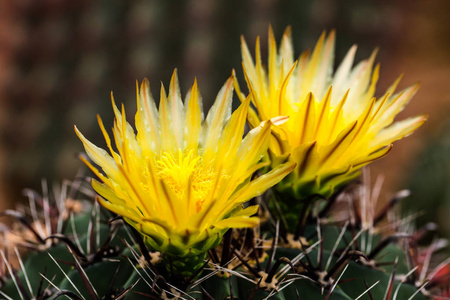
177 171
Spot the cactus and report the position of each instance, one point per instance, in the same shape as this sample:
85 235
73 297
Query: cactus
177 212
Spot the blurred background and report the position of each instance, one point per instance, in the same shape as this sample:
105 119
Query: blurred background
59 60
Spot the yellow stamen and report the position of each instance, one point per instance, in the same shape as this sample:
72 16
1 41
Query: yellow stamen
186 171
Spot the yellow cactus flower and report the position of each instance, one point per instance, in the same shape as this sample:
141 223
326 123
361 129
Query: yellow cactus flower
181 180
336 125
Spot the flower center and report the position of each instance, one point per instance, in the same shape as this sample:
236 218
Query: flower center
181 170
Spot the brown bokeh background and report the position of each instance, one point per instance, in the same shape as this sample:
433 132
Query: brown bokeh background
59 60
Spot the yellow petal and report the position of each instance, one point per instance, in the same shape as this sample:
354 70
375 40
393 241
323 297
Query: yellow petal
176 109
343 71
398 130
147 124
98 155
231 137
194 118
237 222
219 113
259 185
168 140
332 152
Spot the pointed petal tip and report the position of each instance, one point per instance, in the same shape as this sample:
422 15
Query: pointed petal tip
229 82
237 222
79 134
75 128
386 151
162 92
374 54
421 119
287 32
330 90
331 36
320 41
144 82
412 89
113 102
346 94
353 48
290 165
277 121
243 43
174 80
99 199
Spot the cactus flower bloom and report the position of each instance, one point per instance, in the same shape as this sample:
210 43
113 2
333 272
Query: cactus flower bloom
181 181
336 125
